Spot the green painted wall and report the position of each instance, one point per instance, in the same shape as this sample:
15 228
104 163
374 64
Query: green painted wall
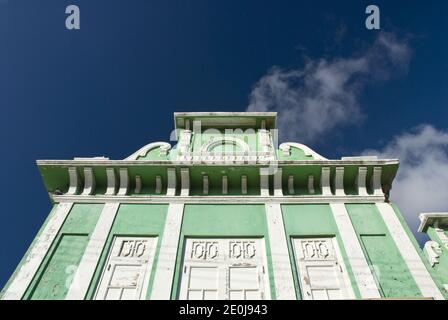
134 220
59 265
229 220
384 258
312 220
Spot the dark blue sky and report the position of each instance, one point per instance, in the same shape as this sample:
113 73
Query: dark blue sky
112 86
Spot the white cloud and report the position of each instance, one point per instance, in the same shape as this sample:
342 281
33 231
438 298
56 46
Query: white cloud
324 94
422 181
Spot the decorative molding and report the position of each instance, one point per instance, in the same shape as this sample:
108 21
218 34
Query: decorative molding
433 251
361 181
278 189
91 257
111 181
311 184
37 253
183 145
208 147
376 182
138 184
361 270
291 184
185 182
339 182
225 185
205 184
244 184
325 182
164 149
264 182
163 279
89 182
410 255
74 180
158 184
281 264
124 182
441 235
286 149
171 188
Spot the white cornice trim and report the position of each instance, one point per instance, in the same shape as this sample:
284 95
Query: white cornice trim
308 151
164 147
217 199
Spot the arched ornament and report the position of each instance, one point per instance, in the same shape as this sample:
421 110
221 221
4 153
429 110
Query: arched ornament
286 149
208 147
164 148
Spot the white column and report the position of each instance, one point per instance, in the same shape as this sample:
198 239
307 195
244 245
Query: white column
361 181
34 259
284 283
325 182
164 277
86 269
410 255
264 182
360 267
339 182
278 189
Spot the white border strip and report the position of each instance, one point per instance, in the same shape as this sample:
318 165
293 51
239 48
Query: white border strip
86 268
363 274
410 255
27 271
281 264
164 277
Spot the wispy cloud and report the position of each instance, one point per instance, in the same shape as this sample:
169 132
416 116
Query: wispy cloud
324 94
421 184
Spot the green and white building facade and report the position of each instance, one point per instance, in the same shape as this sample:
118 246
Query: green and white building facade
226 213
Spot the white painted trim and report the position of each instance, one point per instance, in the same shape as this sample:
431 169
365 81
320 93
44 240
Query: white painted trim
158 184
207 147
339 181
30 266
311 184
361 181
171 176
111 181
410 255
185 182
225 185
164 276
361 270
278 190
124 182
205 185
286 148
291 184
281 264
244 184
264 182
74 180
217 199
138 184
164 148
325 182
376 182
89 182
91 257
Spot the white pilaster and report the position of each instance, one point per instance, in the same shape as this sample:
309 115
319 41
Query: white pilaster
225 185
124 182
410 255
291 184
339 182
376 182
278 190
264 182
325 182
184 182
361 270
171 188
89 261
205 185
244 184
158 184
311 184
164 276
138 184
281 264
89 182
111 182
361 181
34 259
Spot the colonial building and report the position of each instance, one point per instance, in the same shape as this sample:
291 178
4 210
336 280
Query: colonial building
226 214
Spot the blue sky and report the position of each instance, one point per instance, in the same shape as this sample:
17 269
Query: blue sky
112 86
